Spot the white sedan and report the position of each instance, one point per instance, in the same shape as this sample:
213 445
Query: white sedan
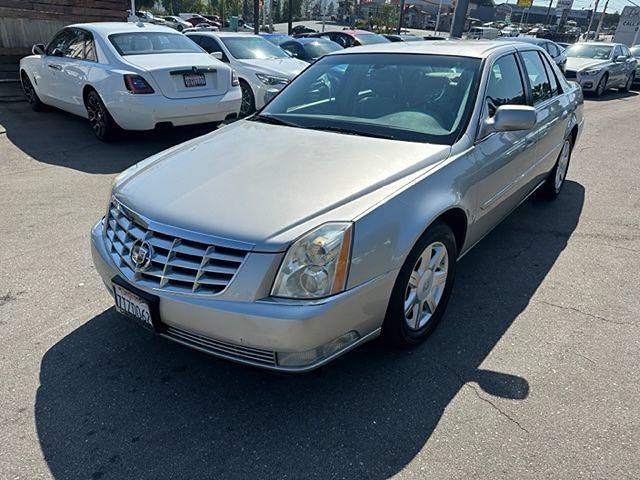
263 67
129 76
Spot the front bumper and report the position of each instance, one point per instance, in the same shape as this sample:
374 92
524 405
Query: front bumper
589 83
145 112
265 333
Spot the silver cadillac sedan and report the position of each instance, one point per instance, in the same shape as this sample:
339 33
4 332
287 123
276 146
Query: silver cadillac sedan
338 212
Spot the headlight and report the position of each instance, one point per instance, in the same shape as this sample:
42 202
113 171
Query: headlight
272 80
316 265
594 71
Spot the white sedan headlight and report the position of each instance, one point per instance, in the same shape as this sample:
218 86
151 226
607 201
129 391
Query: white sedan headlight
316 265
272 79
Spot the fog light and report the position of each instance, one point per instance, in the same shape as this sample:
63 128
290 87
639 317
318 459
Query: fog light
300 359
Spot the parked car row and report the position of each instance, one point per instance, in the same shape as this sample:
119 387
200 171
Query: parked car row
339 211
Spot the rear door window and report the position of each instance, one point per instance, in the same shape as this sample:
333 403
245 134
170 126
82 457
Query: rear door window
537 75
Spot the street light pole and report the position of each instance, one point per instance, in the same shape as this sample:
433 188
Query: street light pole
459 17
604 11
435 30
256 17
593 14
401 16
290 19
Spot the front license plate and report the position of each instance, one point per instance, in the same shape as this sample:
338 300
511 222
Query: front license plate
194 80
132 305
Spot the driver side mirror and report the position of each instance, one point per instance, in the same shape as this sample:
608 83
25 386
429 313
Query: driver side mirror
217 55
510 118
620 59
38 49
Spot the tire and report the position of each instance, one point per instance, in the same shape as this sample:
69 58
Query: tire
602 85
179 28
418 301
248 105
30 93
629 83
554 182
101 121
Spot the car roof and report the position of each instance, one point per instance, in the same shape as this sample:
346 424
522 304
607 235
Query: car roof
462 48
605 44
107 28
229 34
305 40
532 40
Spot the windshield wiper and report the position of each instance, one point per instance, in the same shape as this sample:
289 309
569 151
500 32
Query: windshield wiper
349 131
273 121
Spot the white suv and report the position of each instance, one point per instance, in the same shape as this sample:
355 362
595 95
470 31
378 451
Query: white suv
263 68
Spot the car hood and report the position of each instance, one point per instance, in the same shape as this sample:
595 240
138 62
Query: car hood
575 63
265 184
287 67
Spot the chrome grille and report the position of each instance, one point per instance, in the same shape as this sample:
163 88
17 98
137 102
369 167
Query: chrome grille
176 264
224 349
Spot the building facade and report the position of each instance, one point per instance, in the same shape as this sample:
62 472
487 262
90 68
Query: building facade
24 23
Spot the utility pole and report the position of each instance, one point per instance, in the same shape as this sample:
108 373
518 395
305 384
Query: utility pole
604 11
270 16
401 16
132 14
593 14
435 30
546 20
256 17
290 19
459 17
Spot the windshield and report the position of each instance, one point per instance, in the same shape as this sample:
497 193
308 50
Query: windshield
252 47
146 43
635 51
320 48
598 52
419 98
369 38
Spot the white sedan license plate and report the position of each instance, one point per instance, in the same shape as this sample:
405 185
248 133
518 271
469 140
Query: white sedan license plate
194 80
130 304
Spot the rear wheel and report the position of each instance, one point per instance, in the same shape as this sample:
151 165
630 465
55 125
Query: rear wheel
30 93
248 105
101 121
602 85
630 80
554 182
423 287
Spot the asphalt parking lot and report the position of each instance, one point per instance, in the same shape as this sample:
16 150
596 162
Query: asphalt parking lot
532 374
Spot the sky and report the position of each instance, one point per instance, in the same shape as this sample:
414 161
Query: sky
614 5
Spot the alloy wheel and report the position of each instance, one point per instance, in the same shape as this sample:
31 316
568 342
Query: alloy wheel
29 91
563 164
602 85
426 285
246 106
97 116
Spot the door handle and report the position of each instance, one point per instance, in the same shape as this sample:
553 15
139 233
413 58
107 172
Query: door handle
530 141
55 66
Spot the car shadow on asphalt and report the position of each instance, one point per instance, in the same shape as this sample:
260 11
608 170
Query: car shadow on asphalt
117 402
612 95
59 138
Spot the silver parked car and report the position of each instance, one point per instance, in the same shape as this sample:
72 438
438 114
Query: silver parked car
555 51
337 212
598 66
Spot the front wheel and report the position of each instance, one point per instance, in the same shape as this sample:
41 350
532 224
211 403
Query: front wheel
30 93
554 182
602 85
248 105
423 287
